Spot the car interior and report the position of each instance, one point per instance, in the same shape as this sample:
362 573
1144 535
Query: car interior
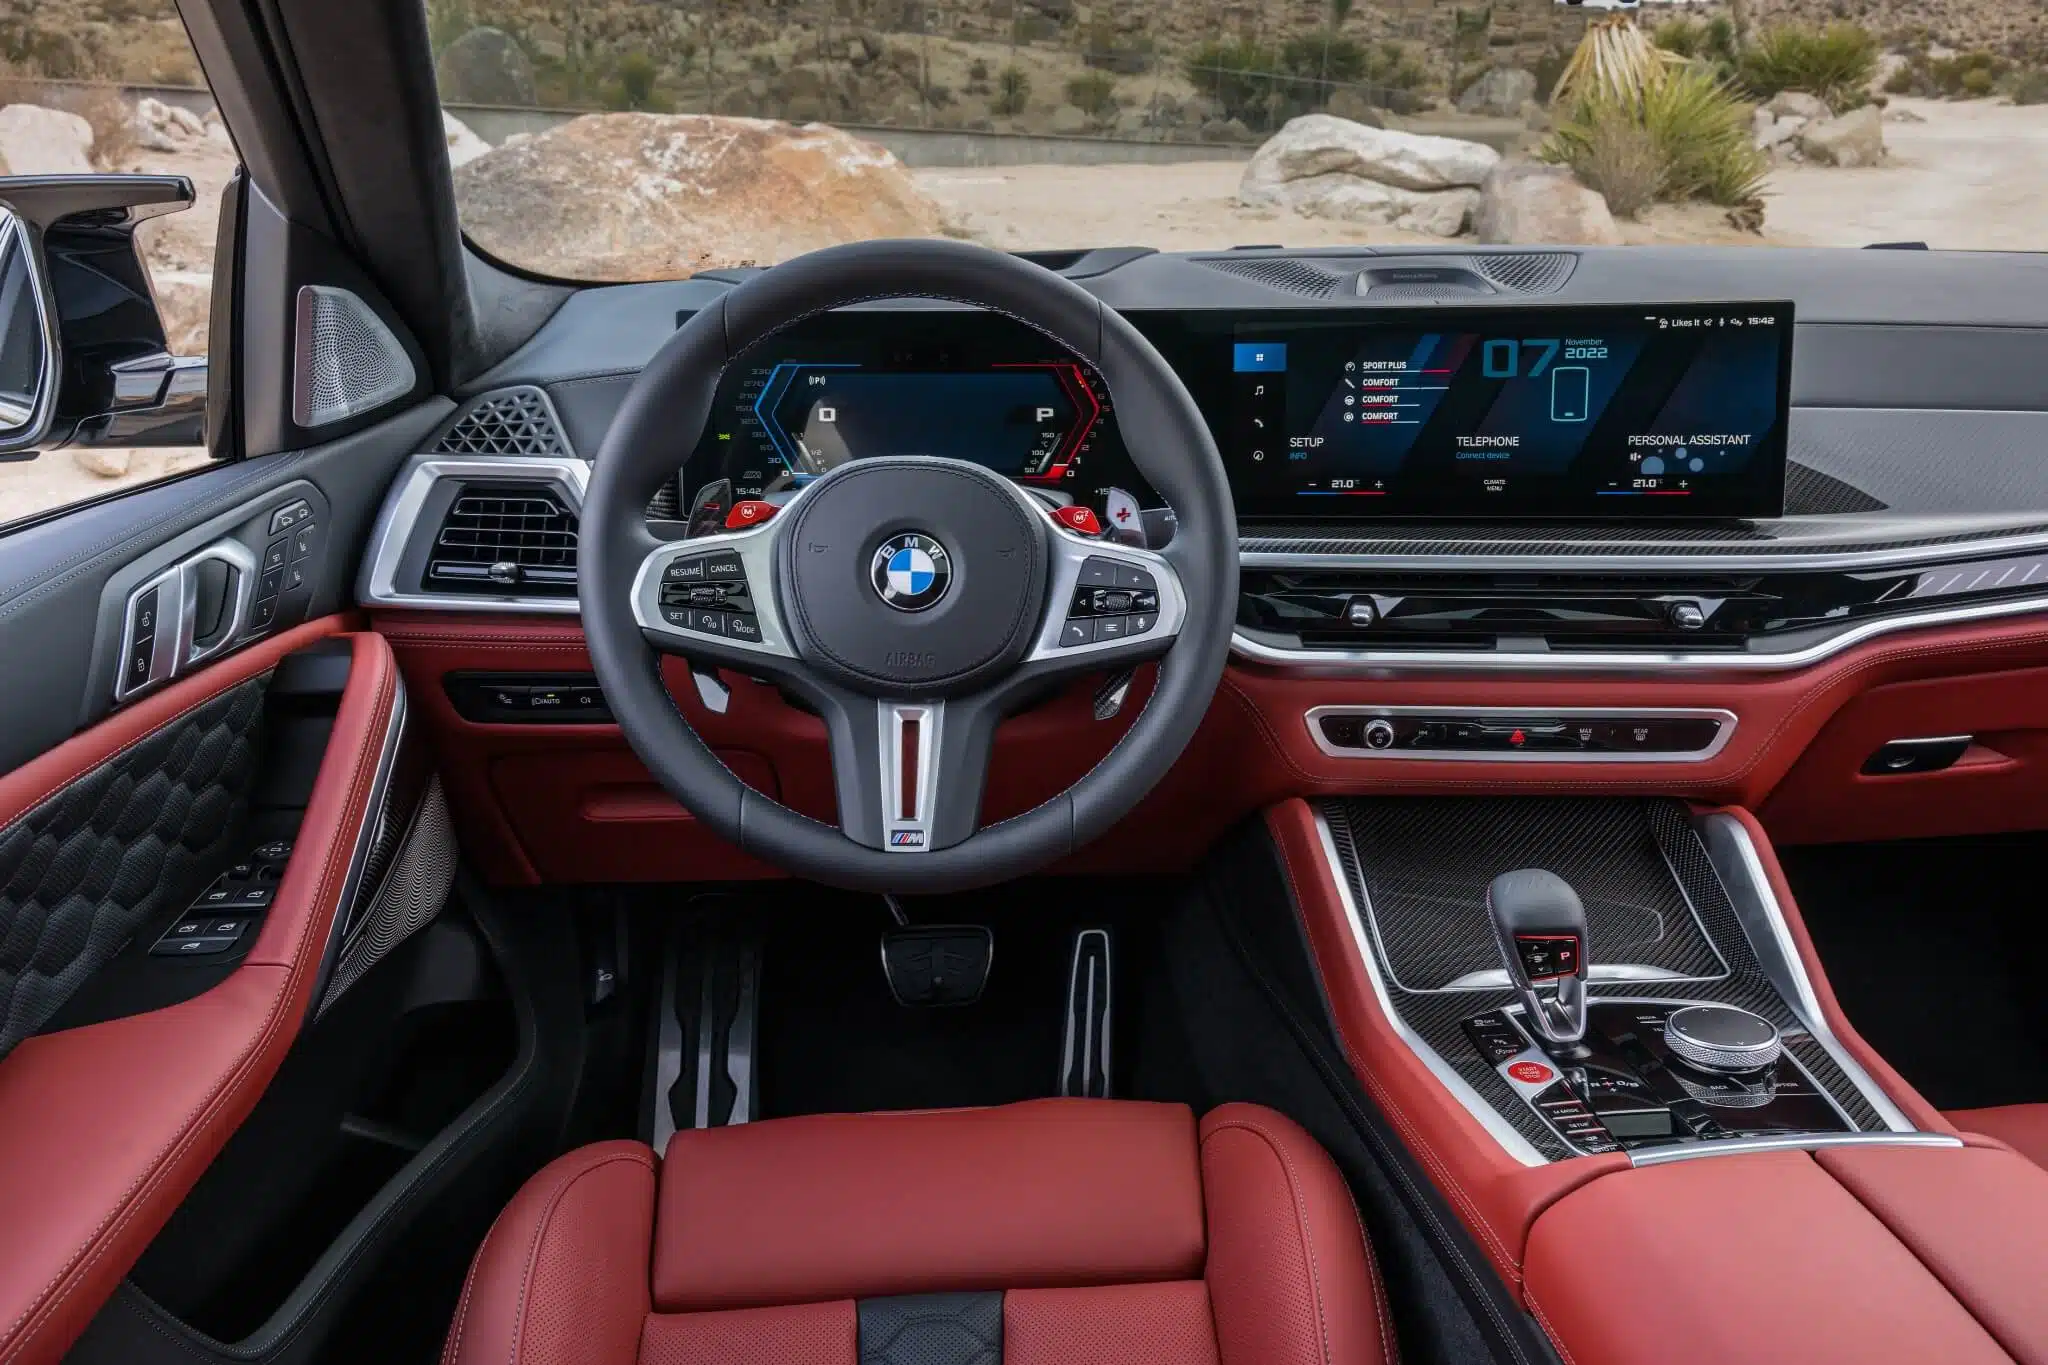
926 804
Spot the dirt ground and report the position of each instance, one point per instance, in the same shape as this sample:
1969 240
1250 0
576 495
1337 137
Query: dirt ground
1973 176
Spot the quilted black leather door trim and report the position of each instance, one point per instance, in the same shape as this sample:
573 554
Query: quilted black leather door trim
110 851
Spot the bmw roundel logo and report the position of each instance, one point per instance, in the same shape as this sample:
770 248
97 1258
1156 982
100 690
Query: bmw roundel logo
911 572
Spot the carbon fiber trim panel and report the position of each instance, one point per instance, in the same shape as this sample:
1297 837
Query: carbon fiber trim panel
406 899
1634 859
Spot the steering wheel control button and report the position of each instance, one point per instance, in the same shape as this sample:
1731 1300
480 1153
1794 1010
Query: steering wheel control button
724 568
749 512
1110 628
1140 622
743 626
1131 576
1079 518
1078 630
1098 573
690 570
707 622
912 571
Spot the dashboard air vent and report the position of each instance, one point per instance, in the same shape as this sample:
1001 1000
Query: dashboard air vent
505 540
517 421
1278 272
1536 272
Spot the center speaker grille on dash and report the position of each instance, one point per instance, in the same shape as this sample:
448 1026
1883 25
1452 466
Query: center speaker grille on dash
345 361
509 539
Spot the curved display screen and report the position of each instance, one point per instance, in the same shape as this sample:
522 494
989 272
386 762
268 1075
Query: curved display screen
1642 411
958 384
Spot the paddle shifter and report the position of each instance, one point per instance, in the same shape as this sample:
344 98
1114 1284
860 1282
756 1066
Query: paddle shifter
1542 931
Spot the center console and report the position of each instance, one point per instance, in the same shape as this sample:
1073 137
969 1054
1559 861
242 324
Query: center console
1593 975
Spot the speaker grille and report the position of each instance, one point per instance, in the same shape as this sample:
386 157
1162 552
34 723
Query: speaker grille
1538 272
510 539
517 421
1277 272
345 360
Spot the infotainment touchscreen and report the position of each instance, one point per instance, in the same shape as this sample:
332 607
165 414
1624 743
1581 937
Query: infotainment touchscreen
1630 411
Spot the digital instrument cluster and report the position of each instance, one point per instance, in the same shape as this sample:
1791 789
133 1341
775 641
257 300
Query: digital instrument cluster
971 386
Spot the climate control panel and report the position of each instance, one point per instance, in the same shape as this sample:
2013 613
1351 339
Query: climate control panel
1494 734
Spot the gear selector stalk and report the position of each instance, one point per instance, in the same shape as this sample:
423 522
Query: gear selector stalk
1541 926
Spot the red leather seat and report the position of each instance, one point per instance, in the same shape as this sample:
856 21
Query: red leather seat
2022 1127
1084 1232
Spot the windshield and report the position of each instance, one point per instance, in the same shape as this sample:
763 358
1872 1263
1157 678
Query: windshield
624 140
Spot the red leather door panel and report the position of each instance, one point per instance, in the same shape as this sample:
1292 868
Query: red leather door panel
104 1128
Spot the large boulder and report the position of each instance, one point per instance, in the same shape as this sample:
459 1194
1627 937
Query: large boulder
39 141
1798 104
1440 213
485 66
160 127
661 196
1528 203
1854 139
1500 93
1320 144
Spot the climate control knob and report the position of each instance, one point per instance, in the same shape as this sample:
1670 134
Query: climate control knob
1379 734
1722 1038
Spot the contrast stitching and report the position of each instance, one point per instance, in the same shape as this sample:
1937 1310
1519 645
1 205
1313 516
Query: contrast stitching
1549 1328
1308 1242
42 1304
453 1352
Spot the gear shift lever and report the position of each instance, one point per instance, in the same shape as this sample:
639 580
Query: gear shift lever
1542 931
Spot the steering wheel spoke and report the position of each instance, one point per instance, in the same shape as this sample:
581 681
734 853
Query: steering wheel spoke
713 597
909 773
1108 606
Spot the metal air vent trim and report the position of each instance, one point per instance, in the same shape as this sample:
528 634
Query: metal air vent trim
400 521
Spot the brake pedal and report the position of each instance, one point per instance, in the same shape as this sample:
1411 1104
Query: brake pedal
1084 1046
937 964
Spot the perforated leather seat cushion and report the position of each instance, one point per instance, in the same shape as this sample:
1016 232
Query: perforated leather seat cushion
1072 1231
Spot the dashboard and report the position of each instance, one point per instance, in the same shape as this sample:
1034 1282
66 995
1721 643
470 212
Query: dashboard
1631 411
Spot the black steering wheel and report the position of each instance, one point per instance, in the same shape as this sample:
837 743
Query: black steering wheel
912 601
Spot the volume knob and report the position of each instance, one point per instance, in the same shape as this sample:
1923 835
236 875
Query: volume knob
1722 1038
1379 734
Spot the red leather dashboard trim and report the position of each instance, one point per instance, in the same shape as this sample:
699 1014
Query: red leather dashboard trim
1252 750
1738 1258
1497 1196
108 1126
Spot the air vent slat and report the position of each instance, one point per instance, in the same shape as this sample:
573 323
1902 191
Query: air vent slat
506 540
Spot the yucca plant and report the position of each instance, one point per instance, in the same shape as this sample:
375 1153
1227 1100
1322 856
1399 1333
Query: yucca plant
1835 63
1614 58
1696 130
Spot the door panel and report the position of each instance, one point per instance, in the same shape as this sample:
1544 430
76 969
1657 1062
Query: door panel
63 583
105 1127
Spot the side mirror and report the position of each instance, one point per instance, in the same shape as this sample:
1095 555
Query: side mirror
84 359
30 361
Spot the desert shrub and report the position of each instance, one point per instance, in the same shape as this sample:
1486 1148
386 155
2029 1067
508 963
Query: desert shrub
1617 156
632 85
2028 86
1683 35
977 70
1238 75
1834 63
1323 56
1964 75
1548 68
1695 124
1093 93
1013 91
1122 54
1904 81
1978 82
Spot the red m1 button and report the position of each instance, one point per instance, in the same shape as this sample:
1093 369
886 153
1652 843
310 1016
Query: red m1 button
1531 1073
1079 518
750 512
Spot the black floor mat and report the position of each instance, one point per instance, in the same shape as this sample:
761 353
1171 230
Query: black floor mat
1934 949
833 1039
